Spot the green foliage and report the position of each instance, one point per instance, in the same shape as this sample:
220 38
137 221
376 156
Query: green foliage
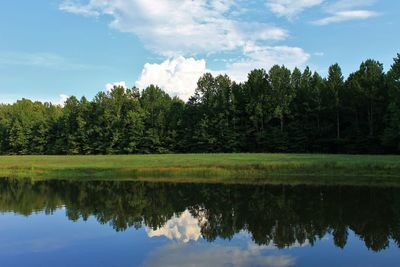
391 136
272 111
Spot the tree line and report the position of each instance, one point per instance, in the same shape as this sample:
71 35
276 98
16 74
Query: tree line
275 111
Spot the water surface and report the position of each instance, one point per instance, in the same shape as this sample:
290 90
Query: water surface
111 223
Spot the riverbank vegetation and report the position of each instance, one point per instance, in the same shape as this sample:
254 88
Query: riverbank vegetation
225 168
275 111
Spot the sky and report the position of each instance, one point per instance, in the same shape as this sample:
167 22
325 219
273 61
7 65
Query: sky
53 49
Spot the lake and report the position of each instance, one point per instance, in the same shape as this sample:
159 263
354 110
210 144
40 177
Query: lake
127 223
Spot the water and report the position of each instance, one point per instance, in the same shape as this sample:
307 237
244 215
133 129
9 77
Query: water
65 223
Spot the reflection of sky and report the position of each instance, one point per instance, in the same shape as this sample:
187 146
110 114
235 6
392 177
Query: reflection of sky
206 255
53 240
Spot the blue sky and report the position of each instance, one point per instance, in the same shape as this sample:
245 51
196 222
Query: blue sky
53 49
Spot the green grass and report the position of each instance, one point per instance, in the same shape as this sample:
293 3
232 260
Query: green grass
235 168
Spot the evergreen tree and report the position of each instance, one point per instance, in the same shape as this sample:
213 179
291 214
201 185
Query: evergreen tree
335 85
391 136
283 86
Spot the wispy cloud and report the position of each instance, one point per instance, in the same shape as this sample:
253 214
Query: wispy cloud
291 8
341 5
344 10
184 27
72 7
337 11
42 60
346 16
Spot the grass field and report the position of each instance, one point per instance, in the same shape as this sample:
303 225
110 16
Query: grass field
235 168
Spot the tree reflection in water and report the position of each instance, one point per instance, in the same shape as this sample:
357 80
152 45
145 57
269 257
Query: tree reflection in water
273 215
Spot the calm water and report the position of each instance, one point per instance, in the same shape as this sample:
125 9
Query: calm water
64 223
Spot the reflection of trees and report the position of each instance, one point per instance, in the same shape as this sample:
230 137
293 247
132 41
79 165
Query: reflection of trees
282 215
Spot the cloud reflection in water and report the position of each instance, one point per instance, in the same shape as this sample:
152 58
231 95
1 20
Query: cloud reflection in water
182 228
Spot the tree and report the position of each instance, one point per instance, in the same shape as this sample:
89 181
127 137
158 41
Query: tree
391 136
371 79
283 91
302 126
259 106
335 84
156 104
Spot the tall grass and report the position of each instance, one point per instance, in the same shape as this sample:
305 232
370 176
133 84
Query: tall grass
242 168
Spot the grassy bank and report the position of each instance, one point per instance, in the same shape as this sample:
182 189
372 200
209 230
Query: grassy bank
238 168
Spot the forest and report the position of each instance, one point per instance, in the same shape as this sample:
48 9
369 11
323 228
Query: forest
273 111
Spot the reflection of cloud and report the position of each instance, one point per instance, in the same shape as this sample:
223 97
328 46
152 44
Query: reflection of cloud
183 228
207 255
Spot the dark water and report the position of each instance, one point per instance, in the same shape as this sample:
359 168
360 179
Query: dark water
64 223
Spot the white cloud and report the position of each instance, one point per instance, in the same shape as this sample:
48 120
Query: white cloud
182 27
6 99
71 7
195 254
265 57
178 76
11 99
291 8
342 16
344 10
62 99
110 86
182 228
342 5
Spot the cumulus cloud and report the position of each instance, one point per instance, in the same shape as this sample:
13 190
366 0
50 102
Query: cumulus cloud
110 86
62 99
182 228
178 76
183 29
195 254
291 8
